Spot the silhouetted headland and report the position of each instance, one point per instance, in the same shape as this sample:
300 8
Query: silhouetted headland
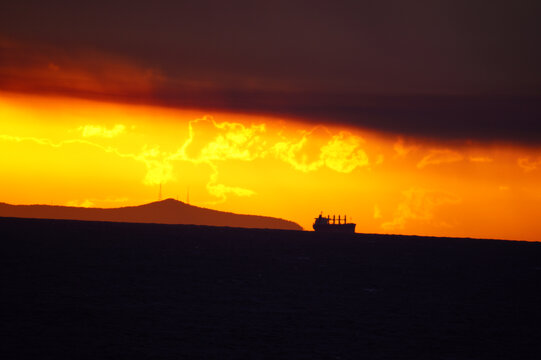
167 211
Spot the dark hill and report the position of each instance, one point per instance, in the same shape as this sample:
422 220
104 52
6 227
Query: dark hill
168 211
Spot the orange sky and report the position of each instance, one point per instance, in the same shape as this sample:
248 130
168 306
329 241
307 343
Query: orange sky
60 150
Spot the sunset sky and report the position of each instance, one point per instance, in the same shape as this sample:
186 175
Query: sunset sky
417 119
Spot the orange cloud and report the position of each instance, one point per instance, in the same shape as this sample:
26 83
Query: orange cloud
377 212
341 153
419 204
237 141
101 131
480 159
85 203
221 191
439 156
528 165
229 141
27 67
402 149
158 164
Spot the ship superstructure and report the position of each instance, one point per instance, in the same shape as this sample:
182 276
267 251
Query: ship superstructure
328 224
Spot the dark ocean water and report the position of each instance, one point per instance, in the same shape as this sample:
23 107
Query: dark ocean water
90 290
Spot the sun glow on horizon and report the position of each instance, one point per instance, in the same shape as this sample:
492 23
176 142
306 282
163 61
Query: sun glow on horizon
65 151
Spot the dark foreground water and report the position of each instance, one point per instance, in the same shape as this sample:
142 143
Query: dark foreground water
83 290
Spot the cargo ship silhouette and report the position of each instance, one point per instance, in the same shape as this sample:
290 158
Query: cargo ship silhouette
326 224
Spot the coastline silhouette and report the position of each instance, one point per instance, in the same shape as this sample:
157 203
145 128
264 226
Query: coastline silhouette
168 211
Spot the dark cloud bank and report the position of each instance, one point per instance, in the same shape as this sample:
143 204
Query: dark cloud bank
440 69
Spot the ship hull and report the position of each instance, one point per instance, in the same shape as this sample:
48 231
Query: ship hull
335 228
